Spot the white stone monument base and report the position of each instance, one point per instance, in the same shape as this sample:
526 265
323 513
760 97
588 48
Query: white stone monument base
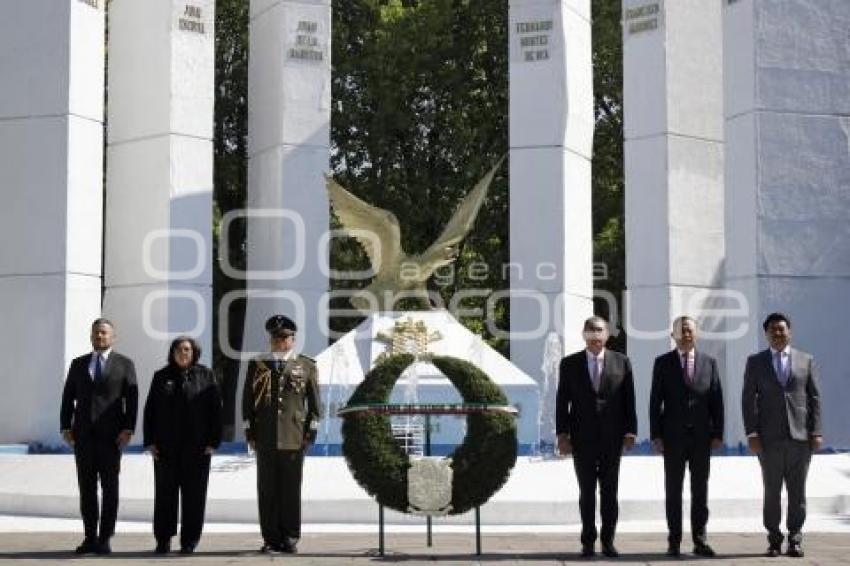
542 493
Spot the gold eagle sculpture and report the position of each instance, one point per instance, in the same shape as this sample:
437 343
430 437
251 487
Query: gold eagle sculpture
397 273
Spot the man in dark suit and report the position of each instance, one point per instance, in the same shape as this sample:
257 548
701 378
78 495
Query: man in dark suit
782 420
686 423
595 421
97 419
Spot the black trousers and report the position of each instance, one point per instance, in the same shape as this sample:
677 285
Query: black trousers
180 477
695 454
785 462
279 494
98 459
598 466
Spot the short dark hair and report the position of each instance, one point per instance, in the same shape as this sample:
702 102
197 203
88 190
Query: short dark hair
98 321
776 317
681 320
590 322
196 349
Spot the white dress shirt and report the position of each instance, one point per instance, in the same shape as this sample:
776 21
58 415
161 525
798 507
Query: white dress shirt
786 365
594 361
784 360
284 356
689 371
104 355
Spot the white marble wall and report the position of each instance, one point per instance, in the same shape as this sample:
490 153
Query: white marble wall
787 102
289 97
51 162
673 111
158 250
551 138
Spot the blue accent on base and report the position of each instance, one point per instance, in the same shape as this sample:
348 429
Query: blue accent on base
14 449
38 448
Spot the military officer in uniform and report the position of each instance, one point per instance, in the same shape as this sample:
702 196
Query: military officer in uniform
280 407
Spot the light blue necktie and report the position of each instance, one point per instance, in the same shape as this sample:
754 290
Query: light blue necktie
783 377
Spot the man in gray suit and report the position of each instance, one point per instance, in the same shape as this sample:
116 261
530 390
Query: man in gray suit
782 419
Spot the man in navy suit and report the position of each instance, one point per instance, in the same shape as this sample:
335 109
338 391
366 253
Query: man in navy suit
686 423
782 419
595 421
97 418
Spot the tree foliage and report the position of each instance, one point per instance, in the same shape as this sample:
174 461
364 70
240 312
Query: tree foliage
420 113
230 172
607 165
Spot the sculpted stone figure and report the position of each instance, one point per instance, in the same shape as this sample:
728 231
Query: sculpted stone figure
398 273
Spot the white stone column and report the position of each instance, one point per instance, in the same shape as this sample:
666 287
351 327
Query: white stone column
51 177
673 111
159 177
551 138
289 97
787 107
289 94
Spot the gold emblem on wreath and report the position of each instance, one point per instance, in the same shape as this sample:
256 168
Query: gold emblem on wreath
408 337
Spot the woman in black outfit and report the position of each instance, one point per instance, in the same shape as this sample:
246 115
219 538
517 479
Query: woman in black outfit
182 429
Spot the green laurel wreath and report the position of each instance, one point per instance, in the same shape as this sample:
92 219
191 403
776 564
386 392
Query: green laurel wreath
481 464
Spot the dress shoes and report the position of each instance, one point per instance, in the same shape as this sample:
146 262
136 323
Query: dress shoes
188 548
270 548
773 551
104 548
609 551
162 547
673 551
702 549
289 547
795 550
88 546
587 551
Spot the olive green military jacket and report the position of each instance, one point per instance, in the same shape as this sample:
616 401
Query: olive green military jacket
281 408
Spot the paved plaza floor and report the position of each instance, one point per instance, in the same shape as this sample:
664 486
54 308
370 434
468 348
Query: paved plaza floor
336 549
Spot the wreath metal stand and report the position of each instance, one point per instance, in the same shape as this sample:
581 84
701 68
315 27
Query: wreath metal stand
427 411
